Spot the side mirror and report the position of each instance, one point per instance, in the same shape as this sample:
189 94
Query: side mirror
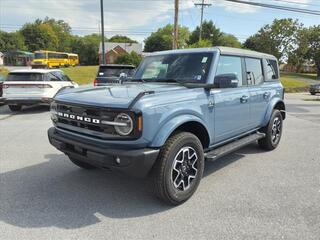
229 80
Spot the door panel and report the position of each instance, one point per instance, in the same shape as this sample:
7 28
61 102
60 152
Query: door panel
259 101
260 92
232 105
232 111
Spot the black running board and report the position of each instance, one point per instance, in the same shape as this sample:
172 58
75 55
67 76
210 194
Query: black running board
233 146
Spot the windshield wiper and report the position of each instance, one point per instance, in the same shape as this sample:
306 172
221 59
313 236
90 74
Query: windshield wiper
171 80
136 80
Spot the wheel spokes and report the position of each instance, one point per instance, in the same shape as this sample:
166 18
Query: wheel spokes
184 169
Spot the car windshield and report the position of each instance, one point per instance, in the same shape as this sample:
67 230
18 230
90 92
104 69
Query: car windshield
114 72
25 77
39 55
182 68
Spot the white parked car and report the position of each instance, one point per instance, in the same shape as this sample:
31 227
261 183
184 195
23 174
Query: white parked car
28 87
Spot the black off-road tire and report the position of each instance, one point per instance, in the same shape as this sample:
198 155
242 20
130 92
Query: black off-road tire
82 164
15 108
162 171
270 142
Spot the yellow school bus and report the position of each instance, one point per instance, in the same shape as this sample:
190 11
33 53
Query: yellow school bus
73 59
51 59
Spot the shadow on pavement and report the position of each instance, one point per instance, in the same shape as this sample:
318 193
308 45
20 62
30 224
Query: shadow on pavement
57 193
4 110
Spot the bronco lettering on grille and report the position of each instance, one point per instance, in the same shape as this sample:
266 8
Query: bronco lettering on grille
79 118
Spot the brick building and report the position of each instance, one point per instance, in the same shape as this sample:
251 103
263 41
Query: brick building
113 50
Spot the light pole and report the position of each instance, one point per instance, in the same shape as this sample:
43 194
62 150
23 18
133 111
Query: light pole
202 5
102 33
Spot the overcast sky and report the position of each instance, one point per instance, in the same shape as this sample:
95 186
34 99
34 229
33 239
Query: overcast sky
137 18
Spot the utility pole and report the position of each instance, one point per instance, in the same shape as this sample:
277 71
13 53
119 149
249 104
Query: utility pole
175 26
202 5
102 34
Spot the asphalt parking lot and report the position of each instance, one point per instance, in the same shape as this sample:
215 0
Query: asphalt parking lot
250 194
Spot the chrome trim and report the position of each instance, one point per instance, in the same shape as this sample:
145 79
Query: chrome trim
118 124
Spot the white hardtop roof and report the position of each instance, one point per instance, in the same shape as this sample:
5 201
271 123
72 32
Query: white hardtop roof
222 50
43 71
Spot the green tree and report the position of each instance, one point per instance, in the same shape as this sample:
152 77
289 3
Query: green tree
121 39
11 41
229 40
39 36
300 54
129 58
278 39
63 32
313 37
162 39
201 44
87 47
209 32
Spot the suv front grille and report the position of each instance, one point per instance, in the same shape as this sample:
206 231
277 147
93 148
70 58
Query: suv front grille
88 120
89 113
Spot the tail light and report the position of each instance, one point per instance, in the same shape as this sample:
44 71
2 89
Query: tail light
95 82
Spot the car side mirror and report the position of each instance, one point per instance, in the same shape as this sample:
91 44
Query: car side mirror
229 80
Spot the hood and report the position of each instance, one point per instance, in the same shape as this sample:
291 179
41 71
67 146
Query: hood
114 96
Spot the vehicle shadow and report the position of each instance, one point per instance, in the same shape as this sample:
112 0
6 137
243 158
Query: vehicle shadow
57 193
34 109
211 167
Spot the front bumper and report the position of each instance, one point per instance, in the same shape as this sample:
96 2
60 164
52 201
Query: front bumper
133 162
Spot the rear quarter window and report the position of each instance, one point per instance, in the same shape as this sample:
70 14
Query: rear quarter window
25 77
254 71
272 70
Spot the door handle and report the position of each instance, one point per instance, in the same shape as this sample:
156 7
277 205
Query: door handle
266 95
244 99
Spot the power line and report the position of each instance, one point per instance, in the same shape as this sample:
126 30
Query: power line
278 7
297 3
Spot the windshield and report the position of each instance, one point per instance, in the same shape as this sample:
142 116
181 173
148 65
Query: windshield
115 72
40 55
25 77
185 68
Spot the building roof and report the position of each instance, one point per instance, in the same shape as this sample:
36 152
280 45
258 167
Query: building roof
35 71
128 47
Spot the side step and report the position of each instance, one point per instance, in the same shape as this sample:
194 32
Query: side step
233 146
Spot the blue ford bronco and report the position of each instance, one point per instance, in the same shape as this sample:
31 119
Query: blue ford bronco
180 108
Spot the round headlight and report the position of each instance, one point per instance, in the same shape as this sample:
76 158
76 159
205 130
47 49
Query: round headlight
124 124
53 111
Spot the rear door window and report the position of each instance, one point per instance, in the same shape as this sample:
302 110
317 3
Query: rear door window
254 71
25 77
